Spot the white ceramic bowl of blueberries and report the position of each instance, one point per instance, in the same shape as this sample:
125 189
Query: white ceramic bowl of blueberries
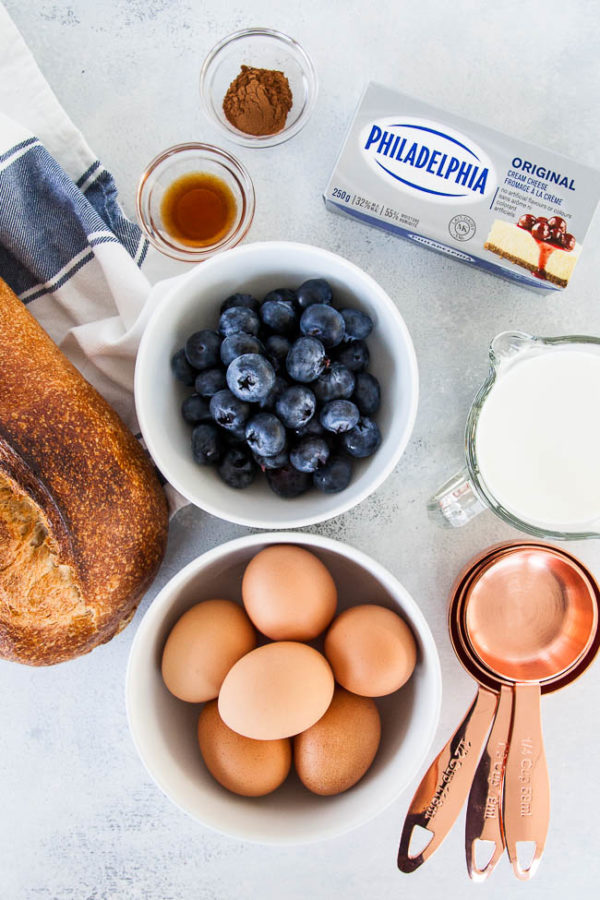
276 385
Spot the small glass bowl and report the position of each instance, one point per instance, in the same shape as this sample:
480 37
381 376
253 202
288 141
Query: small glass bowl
186 159
261 48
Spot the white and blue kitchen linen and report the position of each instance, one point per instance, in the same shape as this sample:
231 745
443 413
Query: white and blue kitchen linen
66 248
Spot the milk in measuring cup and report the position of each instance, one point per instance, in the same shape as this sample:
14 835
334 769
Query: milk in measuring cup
538 439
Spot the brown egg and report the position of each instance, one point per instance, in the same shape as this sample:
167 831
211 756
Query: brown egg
288 593
246 767
372 650
202 647
276 691
337 750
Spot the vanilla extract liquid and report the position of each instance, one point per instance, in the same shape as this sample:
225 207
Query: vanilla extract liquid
198 209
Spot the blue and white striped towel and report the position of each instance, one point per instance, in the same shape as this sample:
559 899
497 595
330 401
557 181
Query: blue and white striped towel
65 246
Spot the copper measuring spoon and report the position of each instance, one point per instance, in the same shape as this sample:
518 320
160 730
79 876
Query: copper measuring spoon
444 787
528 618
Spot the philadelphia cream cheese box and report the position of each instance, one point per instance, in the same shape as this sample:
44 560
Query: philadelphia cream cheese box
453 186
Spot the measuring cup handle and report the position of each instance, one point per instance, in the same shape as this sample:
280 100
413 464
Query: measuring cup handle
527 786
442 792
456 502
484 808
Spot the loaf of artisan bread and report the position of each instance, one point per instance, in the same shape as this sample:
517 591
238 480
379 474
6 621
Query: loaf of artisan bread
83 518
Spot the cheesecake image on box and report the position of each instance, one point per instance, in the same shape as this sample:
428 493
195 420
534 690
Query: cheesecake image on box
541 245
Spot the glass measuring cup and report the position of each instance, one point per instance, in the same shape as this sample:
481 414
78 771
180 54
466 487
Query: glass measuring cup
514 356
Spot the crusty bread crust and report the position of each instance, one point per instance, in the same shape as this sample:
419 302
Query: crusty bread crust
83 486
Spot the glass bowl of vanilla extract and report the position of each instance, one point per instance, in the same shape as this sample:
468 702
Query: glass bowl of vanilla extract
195 200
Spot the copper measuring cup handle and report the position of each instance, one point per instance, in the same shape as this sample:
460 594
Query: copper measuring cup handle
527 785
444 787
484 808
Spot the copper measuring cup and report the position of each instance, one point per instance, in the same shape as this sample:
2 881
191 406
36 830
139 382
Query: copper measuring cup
484 806
444 787
530 620
441 794
484 819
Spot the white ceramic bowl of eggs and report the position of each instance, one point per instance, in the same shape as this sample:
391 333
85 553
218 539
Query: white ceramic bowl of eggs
165 728
193 303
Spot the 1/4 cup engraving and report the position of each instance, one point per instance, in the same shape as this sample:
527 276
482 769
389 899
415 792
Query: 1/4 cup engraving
525 777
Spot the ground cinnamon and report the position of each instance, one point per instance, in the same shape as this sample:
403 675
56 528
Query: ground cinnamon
258 101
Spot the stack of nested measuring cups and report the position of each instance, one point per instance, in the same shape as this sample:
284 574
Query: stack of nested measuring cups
523 622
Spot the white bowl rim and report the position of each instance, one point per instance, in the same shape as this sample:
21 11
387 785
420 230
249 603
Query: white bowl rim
293 521
160 605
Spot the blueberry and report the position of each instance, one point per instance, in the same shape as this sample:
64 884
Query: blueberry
237 344
288 482
296 406
334 476
277 348
310 454
207 445
274 394
236 300
280 315
315 290
358 325
272 462
355 356
367 393
238 318
234 436
362 440
209 382
194 410
323 322
229 411
181 368
336 382
202 349
306 359
238 469
250 377
280 294
265 434
313 427
339 416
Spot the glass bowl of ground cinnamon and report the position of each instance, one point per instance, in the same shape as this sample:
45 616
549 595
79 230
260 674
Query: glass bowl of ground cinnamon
194 200
258 86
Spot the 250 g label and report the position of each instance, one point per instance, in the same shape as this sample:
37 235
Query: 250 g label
341 195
